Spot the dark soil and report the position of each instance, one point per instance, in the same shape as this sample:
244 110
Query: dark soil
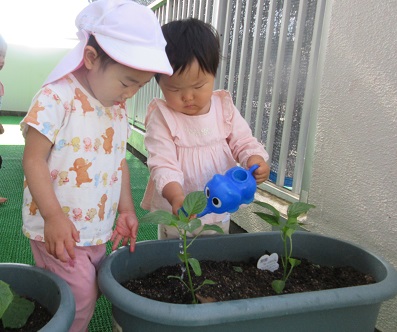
36 321
242 280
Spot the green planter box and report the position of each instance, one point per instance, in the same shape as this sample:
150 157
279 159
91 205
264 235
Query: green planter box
46 288
345 309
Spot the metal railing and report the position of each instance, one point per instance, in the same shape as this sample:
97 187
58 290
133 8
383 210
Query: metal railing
270 50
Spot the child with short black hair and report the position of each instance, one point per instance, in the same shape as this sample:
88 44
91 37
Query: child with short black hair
195 132
76 130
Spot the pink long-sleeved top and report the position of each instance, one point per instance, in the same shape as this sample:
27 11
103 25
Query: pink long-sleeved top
192 149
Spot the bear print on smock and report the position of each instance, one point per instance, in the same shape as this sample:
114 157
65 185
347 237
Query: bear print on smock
108 140
85 104
63 178
90 215
33 208
80 166
33 113
101 205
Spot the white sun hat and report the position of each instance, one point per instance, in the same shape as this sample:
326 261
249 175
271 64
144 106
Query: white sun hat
127 31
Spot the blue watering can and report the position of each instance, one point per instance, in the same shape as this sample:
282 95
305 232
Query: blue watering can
225 193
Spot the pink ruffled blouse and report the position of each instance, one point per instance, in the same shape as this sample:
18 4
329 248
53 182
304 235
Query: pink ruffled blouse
192 149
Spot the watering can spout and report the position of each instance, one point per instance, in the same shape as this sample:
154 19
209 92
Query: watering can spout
204 212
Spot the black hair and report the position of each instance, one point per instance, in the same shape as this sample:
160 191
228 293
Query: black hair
103 56
191 39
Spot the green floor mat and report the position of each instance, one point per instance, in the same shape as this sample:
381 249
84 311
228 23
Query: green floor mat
10 119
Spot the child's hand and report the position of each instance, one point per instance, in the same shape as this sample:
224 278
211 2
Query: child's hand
177 203
126 229
173 193
262 173
60 236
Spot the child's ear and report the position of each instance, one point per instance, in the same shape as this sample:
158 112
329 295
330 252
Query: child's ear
89 56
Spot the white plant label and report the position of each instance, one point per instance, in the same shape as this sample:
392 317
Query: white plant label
268 263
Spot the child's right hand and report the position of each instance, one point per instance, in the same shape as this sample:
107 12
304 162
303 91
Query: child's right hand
262 173
177 203
60 236
173 193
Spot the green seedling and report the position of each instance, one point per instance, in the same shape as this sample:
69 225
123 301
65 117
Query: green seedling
287 229
14 310
186 222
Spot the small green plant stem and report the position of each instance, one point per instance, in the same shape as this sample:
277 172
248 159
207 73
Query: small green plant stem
285 259
185 259
185 222
291 267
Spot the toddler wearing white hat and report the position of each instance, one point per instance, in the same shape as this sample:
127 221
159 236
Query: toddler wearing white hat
76 132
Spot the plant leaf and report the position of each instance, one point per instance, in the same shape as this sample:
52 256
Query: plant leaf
182 257
297 208
288 232
182 214
208 282
159 217
173 277
294 262
17 312
6 297
215 228
237 269
194 263
205 282
292 221
191 226
270 219
276 213
278 286
194 202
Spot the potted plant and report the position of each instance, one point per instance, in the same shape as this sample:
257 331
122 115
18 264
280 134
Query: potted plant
341 309
49 290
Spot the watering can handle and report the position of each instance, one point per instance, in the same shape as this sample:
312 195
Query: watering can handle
253 168
181 209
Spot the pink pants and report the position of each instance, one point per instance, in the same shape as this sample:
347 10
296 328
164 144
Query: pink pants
81 275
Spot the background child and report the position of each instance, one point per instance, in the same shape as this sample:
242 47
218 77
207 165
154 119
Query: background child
76 134
195 132
3 52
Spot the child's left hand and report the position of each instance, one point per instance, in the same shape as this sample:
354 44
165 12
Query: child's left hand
126 229
262 173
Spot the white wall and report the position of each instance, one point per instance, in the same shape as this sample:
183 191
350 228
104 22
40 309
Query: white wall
354 180
38 34
25 70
